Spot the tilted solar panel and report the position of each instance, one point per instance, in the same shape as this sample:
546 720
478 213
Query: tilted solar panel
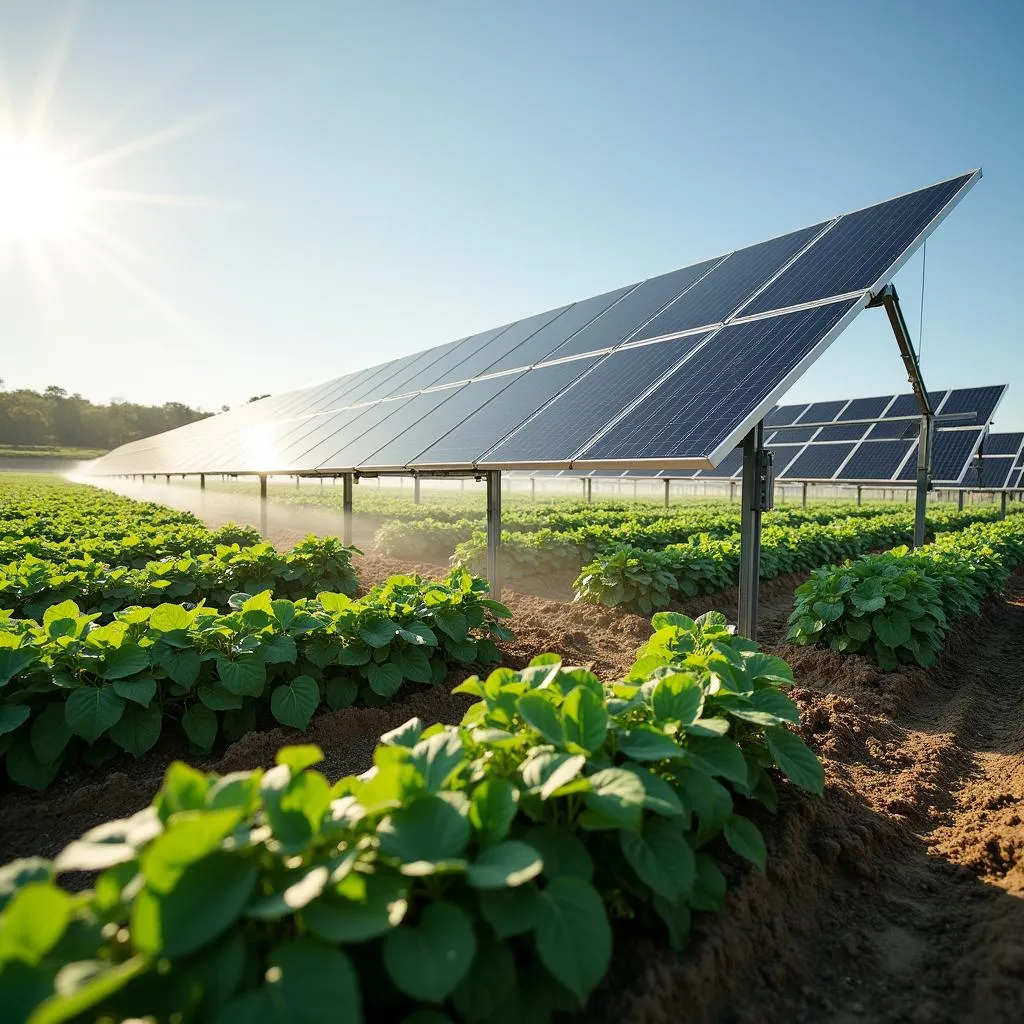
1003 444
818 462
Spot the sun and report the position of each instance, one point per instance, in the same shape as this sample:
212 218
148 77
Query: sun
39 196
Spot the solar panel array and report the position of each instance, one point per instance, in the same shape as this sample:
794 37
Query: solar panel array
1001 463
670 372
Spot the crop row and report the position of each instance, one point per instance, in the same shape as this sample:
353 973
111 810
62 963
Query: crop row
898 606
471 875
71 688
29 585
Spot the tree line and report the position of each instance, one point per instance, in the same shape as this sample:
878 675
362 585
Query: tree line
53 417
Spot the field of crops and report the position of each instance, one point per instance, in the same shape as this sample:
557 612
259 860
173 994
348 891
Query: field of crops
257 784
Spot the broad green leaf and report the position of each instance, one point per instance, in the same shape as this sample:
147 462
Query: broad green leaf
79 991
13 715
140 691
91 711
492 808
745 839
504 866
717 755
138 729
362 908
385 680
208 897
124 661
33 920
661 857
190 836
796 760
246 676
313 982
488 984
677 698
511 911
341 692
19 873
618 796
405 735
200 725
299 757
428 829
539 713
659 797
563 852
378 633
437 757
279 649
168 617
294 703
574 939
585 719
645 744
427 961
545 771
215 697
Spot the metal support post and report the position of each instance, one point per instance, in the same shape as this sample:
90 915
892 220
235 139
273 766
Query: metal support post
416 490
296 481
803 499
750 536
924 464
587 483
168 477
667 482
860 495
202 481
1002 504
346 509
533 488
634 488
494 531
960 500
732 491
263 505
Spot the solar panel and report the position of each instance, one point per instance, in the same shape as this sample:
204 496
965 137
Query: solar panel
783 415
704 404
721 292
793 435
995 470
894 429
861 250
562 428
866 408
818 462
980 401
842 432
731 465
545 340
488 425
952 451
1015 476
784 454
876 460
634 309
1002 444
689 416
904 405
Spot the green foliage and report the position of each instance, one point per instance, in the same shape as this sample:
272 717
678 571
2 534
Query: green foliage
72 687
897 607
473 874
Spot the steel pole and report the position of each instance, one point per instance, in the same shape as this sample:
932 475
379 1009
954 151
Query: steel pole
750 536
924 462
416 490
1002 504
346 510
667 482
202 481
960 500
263 505
804 498
494 531
589 489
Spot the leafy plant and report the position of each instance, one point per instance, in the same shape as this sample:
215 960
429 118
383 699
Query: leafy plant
473 874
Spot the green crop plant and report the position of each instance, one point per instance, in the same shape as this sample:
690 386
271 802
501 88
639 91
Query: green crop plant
71 688
897 606
473 874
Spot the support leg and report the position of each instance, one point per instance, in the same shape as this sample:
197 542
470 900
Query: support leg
924 462
494 532
1002 505
750 537
860 495
803 500
960 500
202 481
667 482
588 487
263 505
416 490
533 488
346 510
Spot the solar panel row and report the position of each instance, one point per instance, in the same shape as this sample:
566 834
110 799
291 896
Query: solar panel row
584 384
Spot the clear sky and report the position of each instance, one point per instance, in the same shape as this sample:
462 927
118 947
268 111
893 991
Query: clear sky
293 190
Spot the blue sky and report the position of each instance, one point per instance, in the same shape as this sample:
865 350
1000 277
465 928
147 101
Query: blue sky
366 180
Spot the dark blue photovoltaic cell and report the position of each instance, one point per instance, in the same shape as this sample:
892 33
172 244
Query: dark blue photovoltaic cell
842 432
721 292
621 320
493 422
876 460
865 408
784 455
995 470
436 423
1002 444
711 395
905 405
541 344
886 430
564 427
952 450
822 412
783 415
981 401
448 369
859 250
794 435
818 462
1015 478
409 375
731 465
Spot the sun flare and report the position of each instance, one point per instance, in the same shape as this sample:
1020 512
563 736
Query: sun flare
39 196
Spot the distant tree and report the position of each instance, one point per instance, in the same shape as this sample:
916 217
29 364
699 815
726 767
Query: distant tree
225 408
256 398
